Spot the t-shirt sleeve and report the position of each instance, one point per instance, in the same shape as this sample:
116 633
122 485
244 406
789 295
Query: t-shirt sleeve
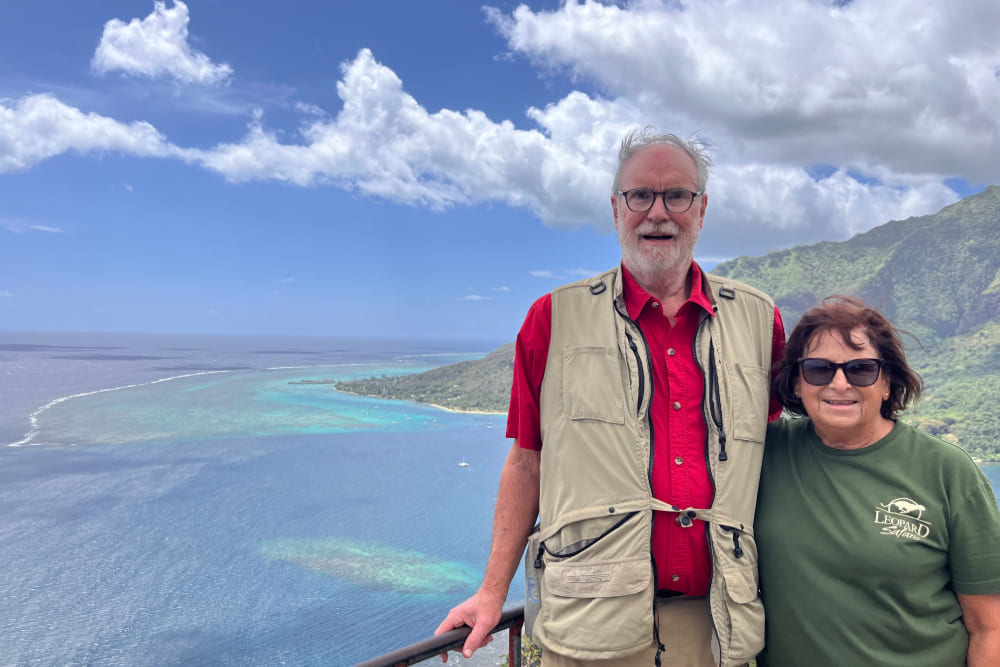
974 546
531 351
777 347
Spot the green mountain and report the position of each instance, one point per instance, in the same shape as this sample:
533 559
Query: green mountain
935 276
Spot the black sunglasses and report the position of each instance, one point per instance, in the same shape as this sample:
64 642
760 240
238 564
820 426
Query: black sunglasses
859 372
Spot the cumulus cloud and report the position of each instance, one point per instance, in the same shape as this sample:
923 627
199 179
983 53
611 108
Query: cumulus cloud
903 98
384 143
38 127
156 46
908 83
474 297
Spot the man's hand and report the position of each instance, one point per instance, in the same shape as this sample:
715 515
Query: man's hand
517 507
481 612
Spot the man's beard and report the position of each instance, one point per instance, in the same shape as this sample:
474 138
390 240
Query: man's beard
649 265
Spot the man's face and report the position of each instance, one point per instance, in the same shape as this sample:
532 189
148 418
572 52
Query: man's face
658 242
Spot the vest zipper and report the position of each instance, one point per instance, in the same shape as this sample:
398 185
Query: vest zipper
638 363
649 364
660 648
544 549
715 402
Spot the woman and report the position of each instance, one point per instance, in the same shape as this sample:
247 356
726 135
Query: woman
879 544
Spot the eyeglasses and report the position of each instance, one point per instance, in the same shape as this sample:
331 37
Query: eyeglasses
677 200
859 372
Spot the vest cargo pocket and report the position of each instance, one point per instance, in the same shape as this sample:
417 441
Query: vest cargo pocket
596 607
592 384
746 611
597 594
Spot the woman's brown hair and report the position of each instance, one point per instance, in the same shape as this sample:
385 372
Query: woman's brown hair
843 315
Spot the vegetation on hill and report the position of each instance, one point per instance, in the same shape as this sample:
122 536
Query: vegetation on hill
482 385
936 276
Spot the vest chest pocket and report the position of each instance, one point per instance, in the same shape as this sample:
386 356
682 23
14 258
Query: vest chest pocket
750 396
592 385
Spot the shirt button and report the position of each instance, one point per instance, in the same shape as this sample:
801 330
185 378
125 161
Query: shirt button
671 351
678 460
656 305
677 405
675 577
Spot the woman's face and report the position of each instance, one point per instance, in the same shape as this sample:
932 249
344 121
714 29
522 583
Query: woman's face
840 411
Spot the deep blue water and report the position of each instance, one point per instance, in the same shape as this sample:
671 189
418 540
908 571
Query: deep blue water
231 518
169 500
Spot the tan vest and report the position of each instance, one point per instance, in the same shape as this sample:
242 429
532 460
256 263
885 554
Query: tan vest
597 577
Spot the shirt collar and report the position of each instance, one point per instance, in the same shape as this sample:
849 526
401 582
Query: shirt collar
636 297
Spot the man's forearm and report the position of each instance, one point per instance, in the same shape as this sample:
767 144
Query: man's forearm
984 648
516 511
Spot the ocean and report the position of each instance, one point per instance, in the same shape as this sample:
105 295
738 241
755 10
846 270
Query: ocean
188 500
182 500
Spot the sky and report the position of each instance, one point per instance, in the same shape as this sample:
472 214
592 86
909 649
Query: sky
428 169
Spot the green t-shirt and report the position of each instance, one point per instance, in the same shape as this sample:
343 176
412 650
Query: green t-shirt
862 551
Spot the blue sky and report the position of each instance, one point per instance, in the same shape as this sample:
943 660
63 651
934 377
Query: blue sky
430 168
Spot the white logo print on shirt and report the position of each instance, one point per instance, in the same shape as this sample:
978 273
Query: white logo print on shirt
901 518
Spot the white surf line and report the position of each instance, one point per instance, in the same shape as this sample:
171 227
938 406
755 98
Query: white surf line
33 417
318 366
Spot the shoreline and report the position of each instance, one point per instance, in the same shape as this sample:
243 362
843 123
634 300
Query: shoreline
432 405
455 410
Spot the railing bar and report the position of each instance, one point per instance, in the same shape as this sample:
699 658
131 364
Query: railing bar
428 648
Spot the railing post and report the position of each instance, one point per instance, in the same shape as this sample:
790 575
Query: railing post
514 644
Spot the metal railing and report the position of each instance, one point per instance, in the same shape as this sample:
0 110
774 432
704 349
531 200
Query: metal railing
511 620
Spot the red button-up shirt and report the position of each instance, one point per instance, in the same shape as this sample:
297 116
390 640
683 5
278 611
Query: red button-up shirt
680 473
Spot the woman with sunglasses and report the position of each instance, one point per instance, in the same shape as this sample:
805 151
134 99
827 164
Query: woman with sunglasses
879 544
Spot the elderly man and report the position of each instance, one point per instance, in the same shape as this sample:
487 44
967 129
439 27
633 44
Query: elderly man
638 408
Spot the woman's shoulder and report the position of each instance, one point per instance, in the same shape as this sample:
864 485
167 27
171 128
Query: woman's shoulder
785 432
787 426
933 451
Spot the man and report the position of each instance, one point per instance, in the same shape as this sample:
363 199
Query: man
638 408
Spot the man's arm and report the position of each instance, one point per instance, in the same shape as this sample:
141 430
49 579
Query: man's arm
981 615
516 510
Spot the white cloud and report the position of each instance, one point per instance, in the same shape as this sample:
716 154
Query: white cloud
20 226
156 46
474 297
910 84
287 281
502 288
903 97
543 273
4 294
38 127
383 143
309 109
